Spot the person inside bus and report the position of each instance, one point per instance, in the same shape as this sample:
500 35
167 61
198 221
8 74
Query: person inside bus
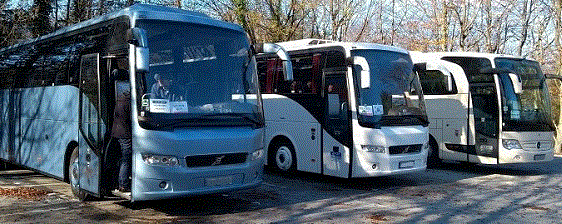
331 88
295 87
121 130
309 87
162 89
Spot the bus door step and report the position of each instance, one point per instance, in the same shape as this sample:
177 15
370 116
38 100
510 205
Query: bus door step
121 194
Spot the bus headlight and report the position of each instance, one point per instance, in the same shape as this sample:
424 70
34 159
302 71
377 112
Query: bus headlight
159 160
511 144
258 154
374 148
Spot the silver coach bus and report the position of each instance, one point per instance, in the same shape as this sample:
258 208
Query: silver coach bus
58 96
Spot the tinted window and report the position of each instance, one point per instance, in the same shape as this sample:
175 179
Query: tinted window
392 97
472 66
307 73
6 77
435 83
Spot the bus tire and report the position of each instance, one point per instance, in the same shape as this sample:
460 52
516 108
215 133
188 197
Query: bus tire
74 176
433 159
283 157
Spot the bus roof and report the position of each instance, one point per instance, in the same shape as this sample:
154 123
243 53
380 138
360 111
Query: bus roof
139 11
319 43
490 56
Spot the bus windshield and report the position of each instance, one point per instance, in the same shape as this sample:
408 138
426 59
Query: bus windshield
394 97
529 110
200 75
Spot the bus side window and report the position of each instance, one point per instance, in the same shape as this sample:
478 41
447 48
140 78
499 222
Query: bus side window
6 79
37 74
434 82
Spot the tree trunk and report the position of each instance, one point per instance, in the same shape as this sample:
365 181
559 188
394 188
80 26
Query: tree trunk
444 43
525 18
558 32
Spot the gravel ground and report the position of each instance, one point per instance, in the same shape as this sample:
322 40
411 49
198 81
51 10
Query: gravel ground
452 193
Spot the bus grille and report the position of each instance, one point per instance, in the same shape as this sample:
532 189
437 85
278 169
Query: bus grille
537 145
403 149
216 159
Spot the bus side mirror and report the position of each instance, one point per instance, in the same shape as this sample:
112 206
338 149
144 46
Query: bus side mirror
137 37
365 72
516 82
268 48
420 67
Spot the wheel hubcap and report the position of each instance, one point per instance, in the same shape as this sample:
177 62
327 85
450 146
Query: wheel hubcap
74 173
283 158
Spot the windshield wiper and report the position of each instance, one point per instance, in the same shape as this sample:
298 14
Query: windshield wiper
236 115
405 119
421 118
179 122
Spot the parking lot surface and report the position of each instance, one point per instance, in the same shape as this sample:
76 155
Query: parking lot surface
451 193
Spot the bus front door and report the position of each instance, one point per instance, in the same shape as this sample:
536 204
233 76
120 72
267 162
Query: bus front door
486 122
336 136
92 128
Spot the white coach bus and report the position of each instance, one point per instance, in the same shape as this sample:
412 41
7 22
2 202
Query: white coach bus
486 108
351 110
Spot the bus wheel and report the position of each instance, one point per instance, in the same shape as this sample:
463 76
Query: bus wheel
74 176
284 157
433 155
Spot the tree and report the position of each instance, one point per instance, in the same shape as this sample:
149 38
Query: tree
41 20
465 13
495 24
557 6
14 25
81 10
526 15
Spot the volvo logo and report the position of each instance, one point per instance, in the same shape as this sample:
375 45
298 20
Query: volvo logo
538 145
218 160
406 150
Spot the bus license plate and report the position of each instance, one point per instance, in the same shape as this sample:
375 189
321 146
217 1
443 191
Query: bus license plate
406 164
539 157
218 181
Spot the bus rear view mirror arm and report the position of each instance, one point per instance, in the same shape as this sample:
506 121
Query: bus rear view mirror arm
137 37
267 48
449 81
552 76
516 82
365 72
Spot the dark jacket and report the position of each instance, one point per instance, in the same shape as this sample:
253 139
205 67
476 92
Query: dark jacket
122 117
